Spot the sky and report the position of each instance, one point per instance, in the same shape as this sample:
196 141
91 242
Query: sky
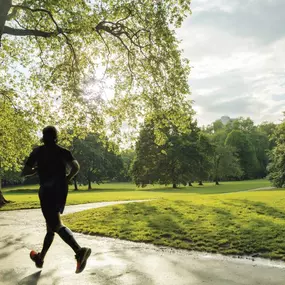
236 50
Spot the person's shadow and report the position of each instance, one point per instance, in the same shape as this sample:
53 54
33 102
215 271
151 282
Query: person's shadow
31 279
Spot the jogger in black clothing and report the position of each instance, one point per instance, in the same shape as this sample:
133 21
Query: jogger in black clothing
50 162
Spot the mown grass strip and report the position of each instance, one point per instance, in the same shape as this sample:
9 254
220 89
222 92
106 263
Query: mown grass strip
26 198
250 223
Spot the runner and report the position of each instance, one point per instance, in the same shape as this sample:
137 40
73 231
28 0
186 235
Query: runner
49 161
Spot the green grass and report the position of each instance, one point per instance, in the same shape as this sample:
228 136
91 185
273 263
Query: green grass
225 219
245 223
25 197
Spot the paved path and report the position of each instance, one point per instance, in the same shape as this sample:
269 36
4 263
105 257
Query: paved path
263 188
116 261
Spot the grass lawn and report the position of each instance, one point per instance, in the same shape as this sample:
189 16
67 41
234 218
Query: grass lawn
226 219
244 223
25 197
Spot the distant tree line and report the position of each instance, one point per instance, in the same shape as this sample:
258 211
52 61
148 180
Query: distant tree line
236 150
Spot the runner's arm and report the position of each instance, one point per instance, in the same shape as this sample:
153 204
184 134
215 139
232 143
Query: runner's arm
30 167
29 171
74 165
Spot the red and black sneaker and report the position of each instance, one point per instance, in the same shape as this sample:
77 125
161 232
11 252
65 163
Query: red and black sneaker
35 257
81 257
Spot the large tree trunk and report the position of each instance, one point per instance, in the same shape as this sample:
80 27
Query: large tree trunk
200 183
3 201
174 185
89 185
217 182
190 184
75 184
5 6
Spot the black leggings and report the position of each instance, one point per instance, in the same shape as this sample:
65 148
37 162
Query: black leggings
52 204
53 220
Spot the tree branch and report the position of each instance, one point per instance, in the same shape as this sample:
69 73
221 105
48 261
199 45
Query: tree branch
6 96
27 32
58 28
4 10
39 10
108 56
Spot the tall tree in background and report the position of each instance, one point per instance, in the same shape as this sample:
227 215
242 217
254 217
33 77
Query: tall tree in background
250 144
179 159
245 151
268 129
97 160
205 148
276 167
174 164
144 169
127 158
225 164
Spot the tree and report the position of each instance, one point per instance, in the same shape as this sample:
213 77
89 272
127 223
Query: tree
11 177
225 164
205 149
17 135
97 160
127 158
268 129
186 157
261 145
56 46
174 161
245 151
179 159
144 168
276 167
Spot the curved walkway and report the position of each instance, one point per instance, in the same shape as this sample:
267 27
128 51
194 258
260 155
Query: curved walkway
116 261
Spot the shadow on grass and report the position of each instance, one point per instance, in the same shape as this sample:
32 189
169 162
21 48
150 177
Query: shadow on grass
35 191
21 191
206 189
212 189
180 224
263 209
94 190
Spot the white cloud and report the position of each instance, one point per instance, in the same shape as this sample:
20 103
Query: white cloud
222 5
238 64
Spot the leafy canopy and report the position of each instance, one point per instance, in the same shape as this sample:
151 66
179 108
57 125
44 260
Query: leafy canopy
51 48
17 133
276 166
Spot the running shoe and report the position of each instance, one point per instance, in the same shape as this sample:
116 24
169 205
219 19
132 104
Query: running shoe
81 257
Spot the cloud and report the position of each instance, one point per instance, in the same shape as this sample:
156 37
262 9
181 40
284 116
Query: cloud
260 19
237 57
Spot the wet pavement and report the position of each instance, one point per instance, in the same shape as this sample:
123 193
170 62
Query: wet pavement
119 262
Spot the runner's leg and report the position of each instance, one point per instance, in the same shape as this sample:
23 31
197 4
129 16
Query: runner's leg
65 233
47 242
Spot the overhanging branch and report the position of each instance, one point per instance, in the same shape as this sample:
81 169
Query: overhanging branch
38 33
27 32
39 10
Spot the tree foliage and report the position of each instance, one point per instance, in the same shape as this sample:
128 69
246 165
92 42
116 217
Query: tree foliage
276 166
144 169
127 156
51 48
226 164
98 160
179 159
17 134
248 143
